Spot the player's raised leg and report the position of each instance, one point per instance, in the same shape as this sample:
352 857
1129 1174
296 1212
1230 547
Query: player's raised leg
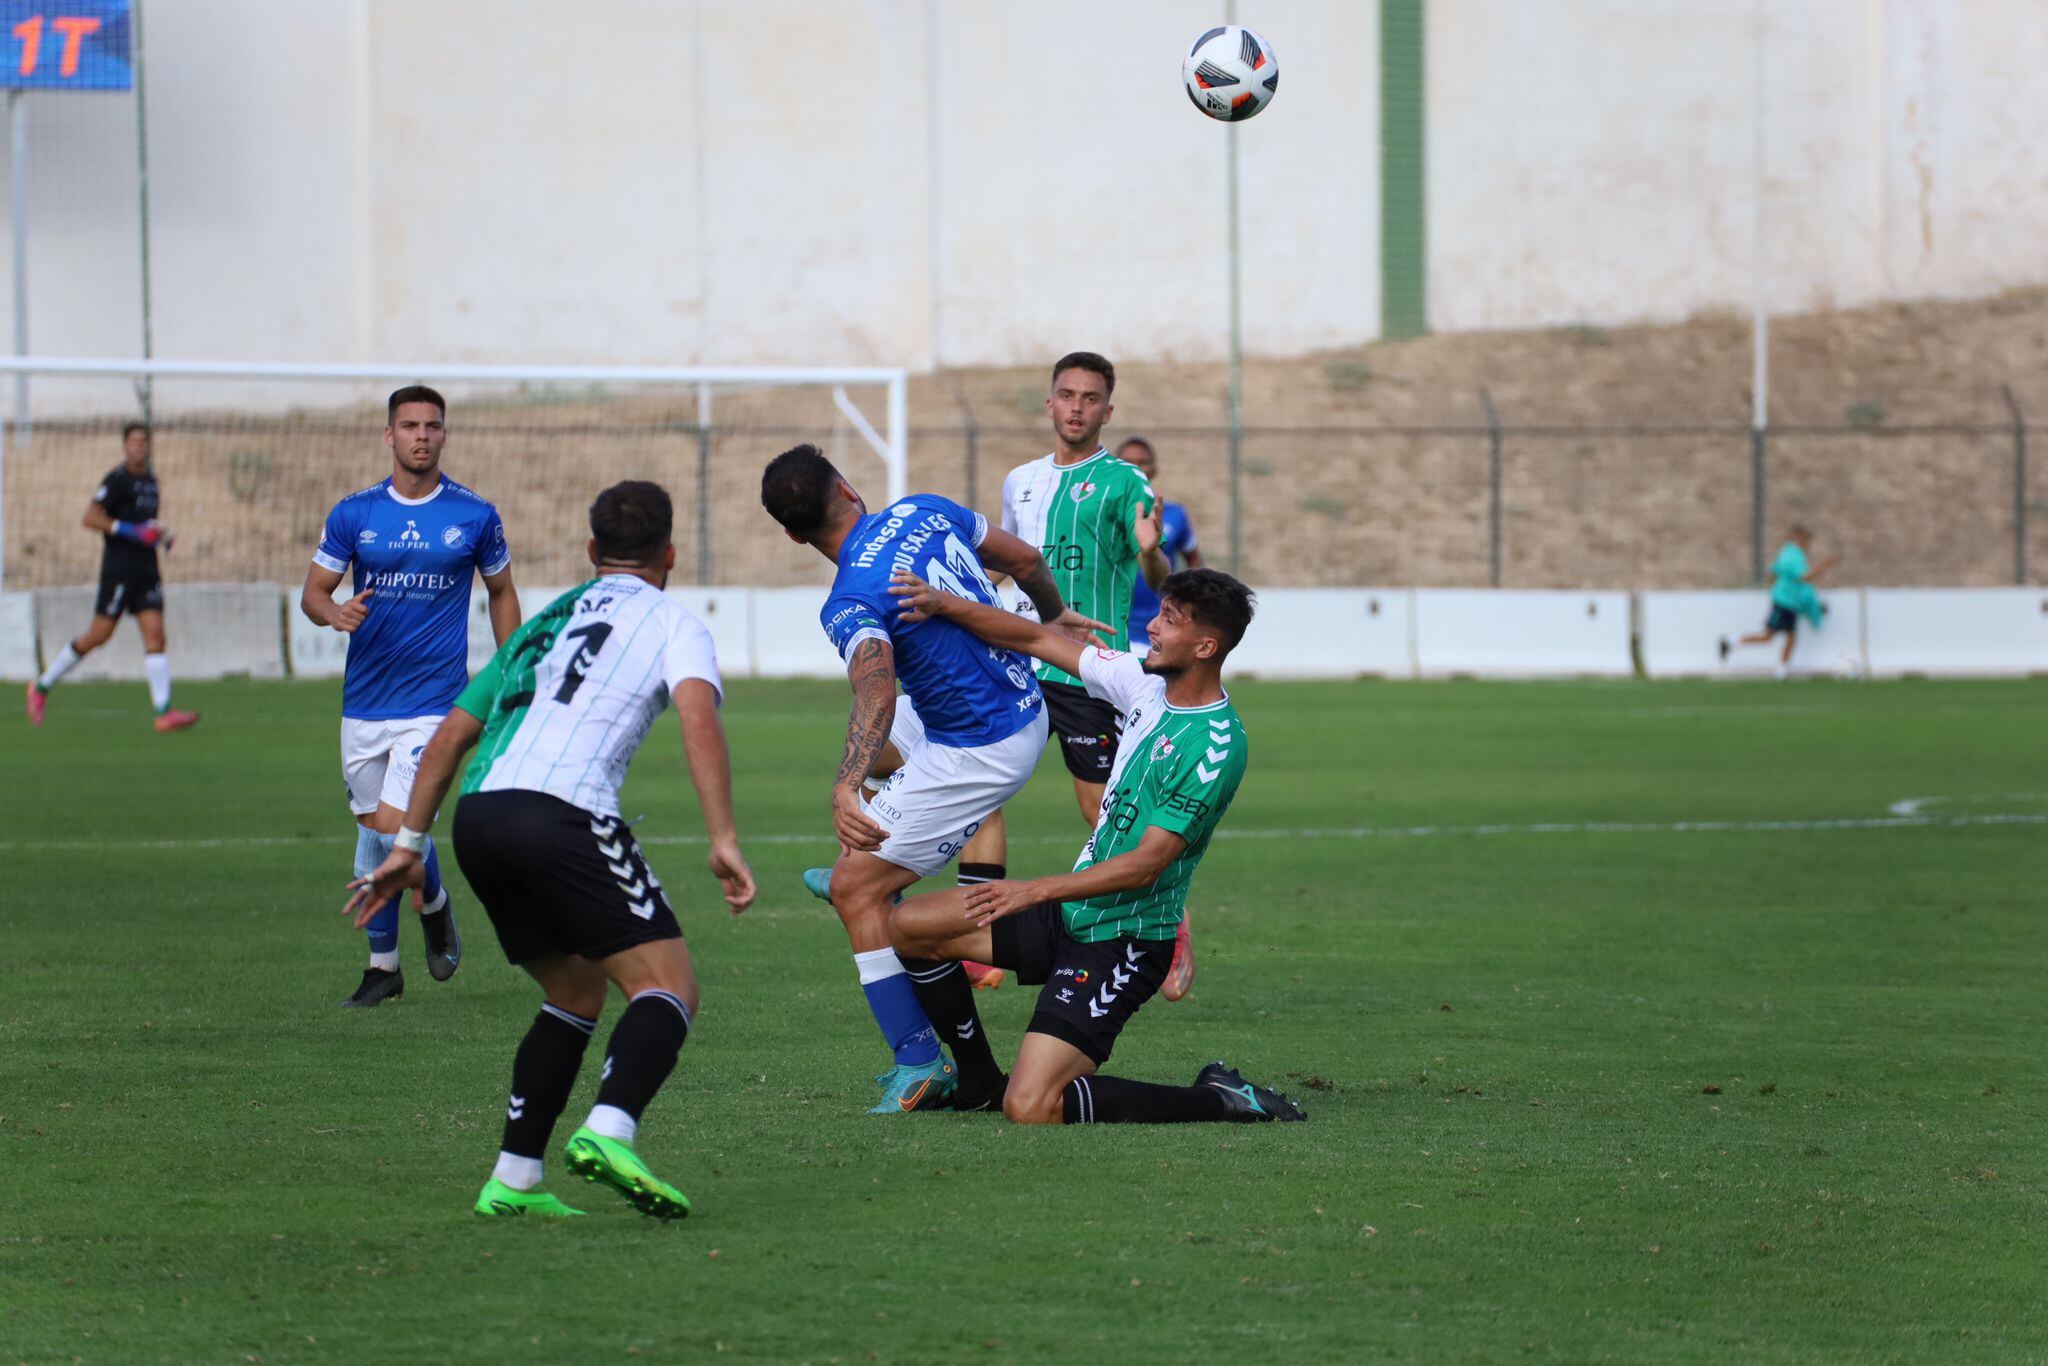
97 633
983 861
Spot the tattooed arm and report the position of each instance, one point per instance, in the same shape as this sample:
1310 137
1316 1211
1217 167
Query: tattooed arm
872 671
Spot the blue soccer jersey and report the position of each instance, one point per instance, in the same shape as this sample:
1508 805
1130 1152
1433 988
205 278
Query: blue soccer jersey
410 657
967 693
1176 538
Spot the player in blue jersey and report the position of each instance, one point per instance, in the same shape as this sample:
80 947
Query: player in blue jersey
415 541
1177 544
982 726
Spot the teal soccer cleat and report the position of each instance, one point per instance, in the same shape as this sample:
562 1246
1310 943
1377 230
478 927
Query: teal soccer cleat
908 1089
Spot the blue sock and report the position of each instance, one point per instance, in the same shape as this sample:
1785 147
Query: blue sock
432 891
371 850
893 1000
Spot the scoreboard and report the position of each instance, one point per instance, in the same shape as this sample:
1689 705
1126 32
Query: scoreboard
65 45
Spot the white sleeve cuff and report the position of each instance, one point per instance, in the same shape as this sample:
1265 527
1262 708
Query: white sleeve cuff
864 633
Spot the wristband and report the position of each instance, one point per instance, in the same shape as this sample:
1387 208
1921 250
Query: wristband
412 841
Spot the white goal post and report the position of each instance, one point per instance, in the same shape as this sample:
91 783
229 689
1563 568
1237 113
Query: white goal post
77 388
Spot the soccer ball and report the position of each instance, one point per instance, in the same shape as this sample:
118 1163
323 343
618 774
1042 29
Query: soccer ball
1231 73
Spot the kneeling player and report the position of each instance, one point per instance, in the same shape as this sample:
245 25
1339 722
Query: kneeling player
1100 938
561 710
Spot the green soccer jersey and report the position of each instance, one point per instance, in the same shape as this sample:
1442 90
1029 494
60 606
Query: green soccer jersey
1080 516
1177 768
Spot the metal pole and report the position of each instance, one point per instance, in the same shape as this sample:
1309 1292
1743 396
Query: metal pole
1494 482
971 439
2019 488
142 195
703 485
1760 327
1236 343
17 154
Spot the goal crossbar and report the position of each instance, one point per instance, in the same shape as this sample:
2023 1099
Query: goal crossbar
890 443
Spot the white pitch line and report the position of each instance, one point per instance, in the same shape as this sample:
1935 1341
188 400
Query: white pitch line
1357 832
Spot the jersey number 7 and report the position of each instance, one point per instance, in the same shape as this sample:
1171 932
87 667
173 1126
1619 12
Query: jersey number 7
589 641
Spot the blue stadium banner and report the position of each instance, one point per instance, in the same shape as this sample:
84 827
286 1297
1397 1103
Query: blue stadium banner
65 45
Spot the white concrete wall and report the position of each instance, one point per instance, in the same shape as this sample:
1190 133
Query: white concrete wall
1681 634
18 661
950 182
1329 633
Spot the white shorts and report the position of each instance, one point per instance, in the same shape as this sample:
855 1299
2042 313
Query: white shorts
939 798
379 760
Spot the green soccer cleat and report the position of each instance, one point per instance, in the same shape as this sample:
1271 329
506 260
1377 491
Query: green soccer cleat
818 882
908 1089
497 1200
594 1157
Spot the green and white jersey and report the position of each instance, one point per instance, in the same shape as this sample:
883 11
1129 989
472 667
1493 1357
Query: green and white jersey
567 700
1177 768
1080 516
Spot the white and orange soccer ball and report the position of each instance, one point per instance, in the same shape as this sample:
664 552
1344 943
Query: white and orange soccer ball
1231 73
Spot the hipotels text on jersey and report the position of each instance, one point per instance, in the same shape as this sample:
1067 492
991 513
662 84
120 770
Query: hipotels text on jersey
391 580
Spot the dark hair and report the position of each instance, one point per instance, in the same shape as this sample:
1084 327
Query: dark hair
131 429
1131 441
1214 600
631 521
413 393
796 488
1092 363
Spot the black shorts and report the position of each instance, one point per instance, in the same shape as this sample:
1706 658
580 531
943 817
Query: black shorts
128 587
1091 990
555 879
1087 729
1782 619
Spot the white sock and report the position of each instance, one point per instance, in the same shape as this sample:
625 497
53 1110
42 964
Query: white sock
386 961
877 965
520 1173
1782 671
613 1123
67 658
158 670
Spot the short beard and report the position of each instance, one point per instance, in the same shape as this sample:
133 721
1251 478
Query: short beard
1152 664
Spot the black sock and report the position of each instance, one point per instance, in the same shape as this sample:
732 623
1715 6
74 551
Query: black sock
948 1000
642 1051
543 1073
971 873
1113 1100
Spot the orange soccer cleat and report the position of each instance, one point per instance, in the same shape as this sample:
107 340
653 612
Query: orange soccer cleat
176 720
984 977
1180 974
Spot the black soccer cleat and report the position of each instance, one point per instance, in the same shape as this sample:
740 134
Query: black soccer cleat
444 941
378 986
982 1102
1248 1102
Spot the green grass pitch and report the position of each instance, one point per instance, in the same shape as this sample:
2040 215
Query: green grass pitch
1632 1027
